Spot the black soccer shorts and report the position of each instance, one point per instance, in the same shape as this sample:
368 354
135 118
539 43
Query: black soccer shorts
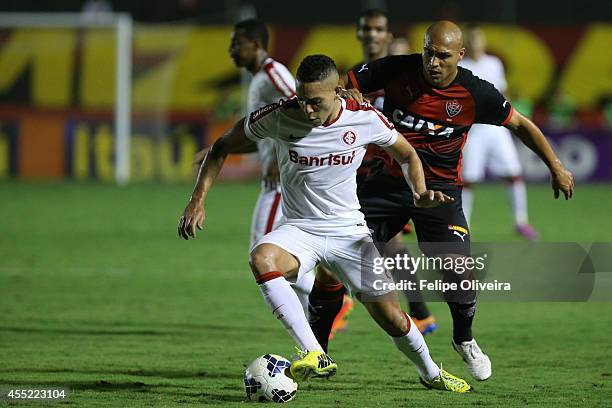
388 205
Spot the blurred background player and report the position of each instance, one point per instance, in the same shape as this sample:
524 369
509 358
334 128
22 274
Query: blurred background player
492 147
271 82
399 46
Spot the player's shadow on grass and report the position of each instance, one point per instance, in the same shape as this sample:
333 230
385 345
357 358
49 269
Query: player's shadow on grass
89 331
100 385
137 328
167 374
133 386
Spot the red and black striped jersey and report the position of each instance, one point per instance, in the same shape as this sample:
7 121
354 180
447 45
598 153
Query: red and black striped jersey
434 120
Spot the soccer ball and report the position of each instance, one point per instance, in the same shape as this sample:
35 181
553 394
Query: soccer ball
265 380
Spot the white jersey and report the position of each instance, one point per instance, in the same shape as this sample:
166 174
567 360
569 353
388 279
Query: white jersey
487 67
272 83
318 165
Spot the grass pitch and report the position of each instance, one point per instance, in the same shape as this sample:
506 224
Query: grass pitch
98 294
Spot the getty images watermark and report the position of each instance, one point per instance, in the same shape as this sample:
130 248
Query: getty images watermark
517 271
404 268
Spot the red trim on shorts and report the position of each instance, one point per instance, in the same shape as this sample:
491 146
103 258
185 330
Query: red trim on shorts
268 276
272 213
353 80
334 287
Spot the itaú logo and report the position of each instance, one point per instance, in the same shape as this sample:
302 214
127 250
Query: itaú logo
329 160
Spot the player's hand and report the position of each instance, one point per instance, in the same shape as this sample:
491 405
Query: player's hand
271 175
430 199
352 94
192 218
563 180
198 158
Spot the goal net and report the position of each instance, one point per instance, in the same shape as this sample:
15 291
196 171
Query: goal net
105 99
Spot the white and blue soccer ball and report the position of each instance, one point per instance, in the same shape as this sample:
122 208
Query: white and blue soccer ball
265 380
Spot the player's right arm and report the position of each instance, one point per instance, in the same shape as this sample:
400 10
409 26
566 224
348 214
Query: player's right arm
233 141
201 154
260 124
412 168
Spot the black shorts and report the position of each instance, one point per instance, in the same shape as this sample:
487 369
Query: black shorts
387 205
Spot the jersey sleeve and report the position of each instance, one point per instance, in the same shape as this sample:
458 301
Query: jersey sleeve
263 123
374 75
280 82
492 108
382 132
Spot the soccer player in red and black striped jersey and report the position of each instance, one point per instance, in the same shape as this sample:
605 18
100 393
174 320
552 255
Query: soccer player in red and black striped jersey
433 103
374 34
375 37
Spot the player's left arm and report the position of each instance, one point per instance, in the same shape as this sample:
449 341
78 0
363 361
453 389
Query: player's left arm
561 178
408 159
493 109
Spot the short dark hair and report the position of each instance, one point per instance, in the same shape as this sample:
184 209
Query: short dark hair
255 30
373 12
315 68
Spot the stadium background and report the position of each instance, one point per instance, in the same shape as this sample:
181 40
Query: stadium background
96 292
57 85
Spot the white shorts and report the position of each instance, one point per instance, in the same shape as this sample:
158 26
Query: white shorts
489 147
350 257
267 213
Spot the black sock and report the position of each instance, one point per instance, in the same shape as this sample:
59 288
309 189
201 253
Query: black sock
417 307
463 315
418 310
324 303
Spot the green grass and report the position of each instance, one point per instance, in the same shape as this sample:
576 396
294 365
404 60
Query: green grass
97 294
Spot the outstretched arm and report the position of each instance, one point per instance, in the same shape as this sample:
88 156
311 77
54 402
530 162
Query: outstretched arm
233 141
533 138
407 157
199 156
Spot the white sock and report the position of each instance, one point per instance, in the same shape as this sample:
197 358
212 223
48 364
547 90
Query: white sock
303 287
285 305
414 347
467 200
518 198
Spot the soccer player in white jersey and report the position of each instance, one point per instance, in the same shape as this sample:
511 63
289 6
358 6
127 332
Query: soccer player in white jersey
492 146
271 82
321 140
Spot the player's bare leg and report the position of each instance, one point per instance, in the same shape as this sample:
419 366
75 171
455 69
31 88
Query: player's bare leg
270 264
420 314
386 311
